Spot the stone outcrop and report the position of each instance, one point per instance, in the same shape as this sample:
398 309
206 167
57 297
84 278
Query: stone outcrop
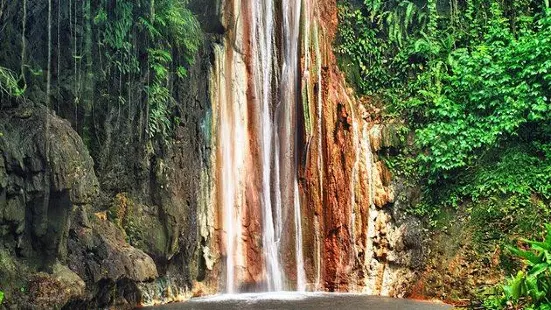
45 173
56 289
53 245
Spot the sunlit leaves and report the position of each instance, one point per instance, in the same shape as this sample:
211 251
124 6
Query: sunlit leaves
474 86
490 92
530 289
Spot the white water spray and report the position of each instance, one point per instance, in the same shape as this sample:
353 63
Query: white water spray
263 47
274 87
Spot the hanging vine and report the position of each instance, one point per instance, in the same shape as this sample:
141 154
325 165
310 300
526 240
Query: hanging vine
49 65
123 54
8 83
167 34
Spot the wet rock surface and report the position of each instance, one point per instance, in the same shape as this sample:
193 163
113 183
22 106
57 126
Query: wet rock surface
359 241
50 291
46 172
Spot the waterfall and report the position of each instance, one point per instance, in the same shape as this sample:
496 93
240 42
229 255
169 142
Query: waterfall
370 286
263 48
228 191
258 96
302 197
231 132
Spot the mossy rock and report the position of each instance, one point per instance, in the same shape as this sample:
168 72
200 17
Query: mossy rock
131 218
120 207
152 240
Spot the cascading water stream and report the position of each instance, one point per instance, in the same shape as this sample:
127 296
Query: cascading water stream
301 276
263 47
231 160
273 98
319 159
228 193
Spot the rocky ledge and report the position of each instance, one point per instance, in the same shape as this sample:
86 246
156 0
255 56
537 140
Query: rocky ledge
57 248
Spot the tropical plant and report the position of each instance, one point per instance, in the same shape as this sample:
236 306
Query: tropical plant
373 39
488 94
530 288
167 34
173 30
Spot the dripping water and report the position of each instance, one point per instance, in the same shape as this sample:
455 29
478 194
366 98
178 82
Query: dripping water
372 213
23 41
301 276
289 92
263 23
231 133
320 145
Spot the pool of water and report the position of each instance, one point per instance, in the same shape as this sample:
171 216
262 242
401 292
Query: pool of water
306 301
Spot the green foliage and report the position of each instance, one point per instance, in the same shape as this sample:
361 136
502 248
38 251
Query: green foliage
472 79
8 83
1 297
172 27
163 30
494 220
517 170
370 38
487 96
529 289
115 37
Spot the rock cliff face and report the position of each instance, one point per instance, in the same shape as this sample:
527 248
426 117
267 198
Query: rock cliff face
54 249
356 243
119 229
42 179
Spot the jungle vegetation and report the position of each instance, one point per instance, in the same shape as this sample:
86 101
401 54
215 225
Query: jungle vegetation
471 80
97 60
